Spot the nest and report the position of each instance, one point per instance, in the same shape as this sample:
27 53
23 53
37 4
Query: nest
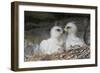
74 53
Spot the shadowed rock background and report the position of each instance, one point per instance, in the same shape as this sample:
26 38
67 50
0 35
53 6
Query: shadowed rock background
38 25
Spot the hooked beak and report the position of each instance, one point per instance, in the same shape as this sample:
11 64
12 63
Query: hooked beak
65 29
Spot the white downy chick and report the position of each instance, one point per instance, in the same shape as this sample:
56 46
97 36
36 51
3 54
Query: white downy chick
72 39
54 44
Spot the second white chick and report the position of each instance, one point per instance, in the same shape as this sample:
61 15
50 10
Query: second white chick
72 39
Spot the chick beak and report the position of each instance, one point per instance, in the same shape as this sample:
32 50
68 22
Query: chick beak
65 29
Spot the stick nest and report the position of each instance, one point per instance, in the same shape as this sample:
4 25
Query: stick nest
74 53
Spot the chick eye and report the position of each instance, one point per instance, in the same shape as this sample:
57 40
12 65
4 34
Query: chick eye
58 30
68 27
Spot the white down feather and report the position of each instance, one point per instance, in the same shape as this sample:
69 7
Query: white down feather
72 39
53 44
